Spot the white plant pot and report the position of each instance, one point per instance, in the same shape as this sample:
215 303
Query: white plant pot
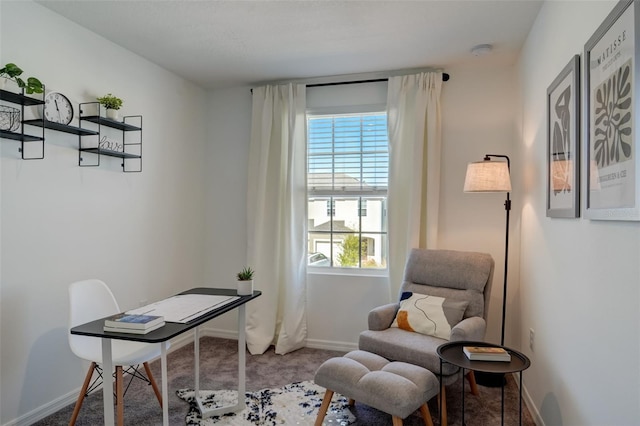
112 114
9 85
245 288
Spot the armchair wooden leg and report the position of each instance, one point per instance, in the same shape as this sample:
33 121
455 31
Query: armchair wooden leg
426 415
352 402
154 385
442 403
397 421
472 383
83 392
119 396
323 408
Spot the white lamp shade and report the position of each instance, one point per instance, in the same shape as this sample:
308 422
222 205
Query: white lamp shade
487 176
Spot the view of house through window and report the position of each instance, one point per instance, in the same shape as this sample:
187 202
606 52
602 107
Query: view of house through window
347 176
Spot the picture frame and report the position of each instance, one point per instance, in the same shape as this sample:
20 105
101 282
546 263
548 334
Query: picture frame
611 160
563 147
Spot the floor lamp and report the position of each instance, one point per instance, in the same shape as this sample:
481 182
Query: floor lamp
493 176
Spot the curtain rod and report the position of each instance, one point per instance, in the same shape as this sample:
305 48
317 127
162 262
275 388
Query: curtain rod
445 77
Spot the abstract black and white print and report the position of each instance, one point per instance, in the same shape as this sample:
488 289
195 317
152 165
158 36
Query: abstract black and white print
613 111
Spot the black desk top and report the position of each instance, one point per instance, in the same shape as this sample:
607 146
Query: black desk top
170 329
452 353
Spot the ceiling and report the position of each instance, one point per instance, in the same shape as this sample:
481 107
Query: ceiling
219 44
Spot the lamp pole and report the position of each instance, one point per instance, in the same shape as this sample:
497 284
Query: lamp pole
507 207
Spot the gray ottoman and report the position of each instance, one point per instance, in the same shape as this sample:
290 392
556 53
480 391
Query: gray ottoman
397 388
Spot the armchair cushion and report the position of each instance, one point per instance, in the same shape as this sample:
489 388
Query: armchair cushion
430 315
396 344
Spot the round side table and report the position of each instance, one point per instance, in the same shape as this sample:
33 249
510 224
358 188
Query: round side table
452 353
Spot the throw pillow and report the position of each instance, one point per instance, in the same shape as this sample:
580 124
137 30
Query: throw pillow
430 315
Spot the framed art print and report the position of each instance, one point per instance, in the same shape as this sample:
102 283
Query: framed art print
563 134
611 108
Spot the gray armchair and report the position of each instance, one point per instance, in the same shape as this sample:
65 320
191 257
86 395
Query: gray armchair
456 275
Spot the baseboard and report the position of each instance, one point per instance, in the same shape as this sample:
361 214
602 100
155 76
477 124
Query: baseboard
69 398
184 339
331 345
45 410
311 343
537 419
219 333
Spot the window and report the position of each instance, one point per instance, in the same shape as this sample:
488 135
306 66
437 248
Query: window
347 177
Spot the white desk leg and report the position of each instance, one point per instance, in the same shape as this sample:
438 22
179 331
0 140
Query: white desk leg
196 351
165 385
241 356
240 403
107 383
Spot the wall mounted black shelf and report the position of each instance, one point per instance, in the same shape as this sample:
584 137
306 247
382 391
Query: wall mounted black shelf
20 99
61 127
110 153
130 152
6 134
24 101
120 125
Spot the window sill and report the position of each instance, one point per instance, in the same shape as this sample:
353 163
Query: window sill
320 270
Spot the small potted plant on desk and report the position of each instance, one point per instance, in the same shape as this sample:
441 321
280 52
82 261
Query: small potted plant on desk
245 281
112 104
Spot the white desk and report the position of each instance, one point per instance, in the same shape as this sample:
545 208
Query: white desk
162 336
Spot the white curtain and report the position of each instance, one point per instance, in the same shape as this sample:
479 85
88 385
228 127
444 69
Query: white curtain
413 109
276 216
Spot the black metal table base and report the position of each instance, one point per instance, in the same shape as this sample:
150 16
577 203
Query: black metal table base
494 371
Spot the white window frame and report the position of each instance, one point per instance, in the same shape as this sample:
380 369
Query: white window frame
339 270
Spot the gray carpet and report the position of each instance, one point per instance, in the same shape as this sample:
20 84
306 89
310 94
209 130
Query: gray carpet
218 370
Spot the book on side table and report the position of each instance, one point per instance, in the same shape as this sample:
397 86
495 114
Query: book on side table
137 324
486 353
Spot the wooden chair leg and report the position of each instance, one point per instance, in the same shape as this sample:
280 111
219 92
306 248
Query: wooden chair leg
397 421
323 408
426 415
154 385
472 383
442 403
352 402
83 392
119 396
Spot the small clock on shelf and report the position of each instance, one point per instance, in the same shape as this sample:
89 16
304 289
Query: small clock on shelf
57 108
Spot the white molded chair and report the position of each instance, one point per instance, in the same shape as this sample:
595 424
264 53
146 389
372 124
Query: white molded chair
90 300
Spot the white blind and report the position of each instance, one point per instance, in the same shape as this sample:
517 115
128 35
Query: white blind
347 154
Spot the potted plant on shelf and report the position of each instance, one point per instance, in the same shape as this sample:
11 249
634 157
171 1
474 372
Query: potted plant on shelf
245 281
112 104
12 72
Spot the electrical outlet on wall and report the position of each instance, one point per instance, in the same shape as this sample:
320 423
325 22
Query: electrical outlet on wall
532 335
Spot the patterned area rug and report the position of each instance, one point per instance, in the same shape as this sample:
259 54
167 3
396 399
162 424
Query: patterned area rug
293 404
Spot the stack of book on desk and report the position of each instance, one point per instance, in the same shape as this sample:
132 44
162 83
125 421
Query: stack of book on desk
136 324
486 353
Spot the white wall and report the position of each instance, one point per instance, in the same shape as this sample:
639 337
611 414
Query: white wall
140 232
580 278
227 156
478 118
